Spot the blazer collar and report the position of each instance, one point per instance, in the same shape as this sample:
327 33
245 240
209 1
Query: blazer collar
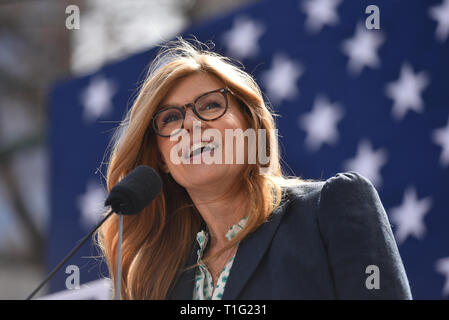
248 256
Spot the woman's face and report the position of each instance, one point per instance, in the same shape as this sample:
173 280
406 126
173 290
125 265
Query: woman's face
195 173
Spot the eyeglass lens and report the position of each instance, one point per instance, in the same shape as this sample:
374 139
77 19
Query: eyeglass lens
209 107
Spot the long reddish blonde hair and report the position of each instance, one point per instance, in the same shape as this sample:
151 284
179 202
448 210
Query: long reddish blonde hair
158 241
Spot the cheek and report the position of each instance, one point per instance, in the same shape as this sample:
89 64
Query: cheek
171 149
235 120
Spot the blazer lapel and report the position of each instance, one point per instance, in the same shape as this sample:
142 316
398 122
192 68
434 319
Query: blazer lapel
250 252
248 256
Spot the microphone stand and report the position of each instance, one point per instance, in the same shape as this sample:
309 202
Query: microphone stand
118 278
74 250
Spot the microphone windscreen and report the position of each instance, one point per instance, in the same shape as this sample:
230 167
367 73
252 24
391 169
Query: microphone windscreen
135 191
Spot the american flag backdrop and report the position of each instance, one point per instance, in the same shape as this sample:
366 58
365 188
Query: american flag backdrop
349 98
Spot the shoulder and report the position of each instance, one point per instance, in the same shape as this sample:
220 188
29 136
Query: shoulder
342 196
350 195
347 185
349 206
344 185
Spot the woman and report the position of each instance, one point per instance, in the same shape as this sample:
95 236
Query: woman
232 230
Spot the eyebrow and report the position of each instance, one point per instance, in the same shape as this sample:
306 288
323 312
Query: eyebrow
167 105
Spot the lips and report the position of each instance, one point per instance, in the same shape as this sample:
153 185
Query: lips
200 147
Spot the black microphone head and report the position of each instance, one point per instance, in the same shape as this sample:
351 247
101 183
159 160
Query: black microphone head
135 191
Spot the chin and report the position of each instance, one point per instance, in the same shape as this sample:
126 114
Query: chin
199 175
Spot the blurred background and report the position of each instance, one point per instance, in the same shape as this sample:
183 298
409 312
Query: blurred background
350 98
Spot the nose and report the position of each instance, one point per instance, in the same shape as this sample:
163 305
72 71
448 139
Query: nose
191 120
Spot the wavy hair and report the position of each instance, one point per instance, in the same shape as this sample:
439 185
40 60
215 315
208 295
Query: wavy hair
158 242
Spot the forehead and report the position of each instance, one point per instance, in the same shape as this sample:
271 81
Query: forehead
188 88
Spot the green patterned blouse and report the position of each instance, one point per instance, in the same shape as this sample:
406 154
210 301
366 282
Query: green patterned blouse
203 289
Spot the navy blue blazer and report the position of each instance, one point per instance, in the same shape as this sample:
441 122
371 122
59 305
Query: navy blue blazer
316 245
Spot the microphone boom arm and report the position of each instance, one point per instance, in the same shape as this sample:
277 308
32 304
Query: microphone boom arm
64 261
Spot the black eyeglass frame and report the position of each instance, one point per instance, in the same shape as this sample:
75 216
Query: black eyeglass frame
183 110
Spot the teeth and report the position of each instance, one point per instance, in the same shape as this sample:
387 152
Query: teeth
196 147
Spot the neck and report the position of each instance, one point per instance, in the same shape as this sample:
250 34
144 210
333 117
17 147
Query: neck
220 214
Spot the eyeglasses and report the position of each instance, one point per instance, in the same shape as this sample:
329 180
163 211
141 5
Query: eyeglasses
207 107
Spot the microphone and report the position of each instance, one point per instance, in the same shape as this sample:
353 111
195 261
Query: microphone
128 197
135 191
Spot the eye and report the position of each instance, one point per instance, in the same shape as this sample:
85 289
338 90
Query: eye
211 105
169 116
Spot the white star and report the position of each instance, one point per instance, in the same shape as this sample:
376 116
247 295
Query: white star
441 15
91 204
440 136
96 98
321 123
406 91
368 162
320 13
280 80
409 216
241 40
442 266
362 49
